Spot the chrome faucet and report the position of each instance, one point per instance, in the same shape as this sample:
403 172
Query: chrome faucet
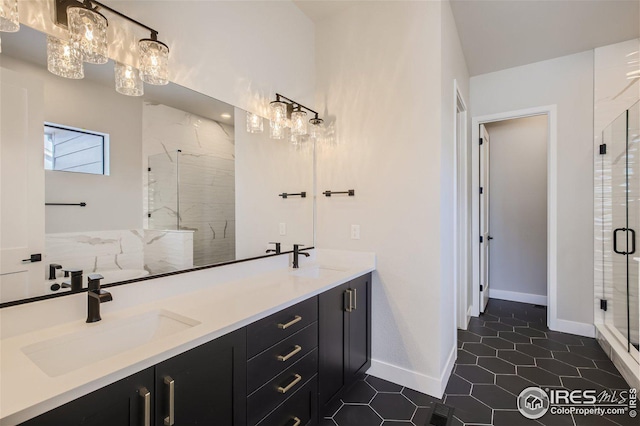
296 253
96 296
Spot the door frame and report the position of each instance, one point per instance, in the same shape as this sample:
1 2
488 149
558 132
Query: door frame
461 218
551 111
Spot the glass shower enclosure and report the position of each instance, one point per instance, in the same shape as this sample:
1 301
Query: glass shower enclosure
194 192
618 175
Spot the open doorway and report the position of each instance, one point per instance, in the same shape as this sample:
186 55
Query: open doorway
514 209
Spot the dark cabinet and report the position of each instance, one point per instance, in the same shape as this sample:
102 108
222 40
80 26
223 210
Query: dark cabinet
344 332
127 402
206 385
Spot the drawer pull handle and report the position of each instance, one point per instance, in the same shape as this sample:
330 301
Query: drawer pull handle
290 385
296 349
355 299
146 406
296 421
170 419
296 319
349 294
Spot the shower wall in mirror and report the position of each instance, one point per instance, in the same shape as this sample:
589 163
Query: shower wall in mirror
182 185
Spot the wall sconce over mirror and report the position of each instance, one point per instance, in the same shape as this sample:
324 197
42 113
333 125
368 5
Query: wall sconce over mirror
285 113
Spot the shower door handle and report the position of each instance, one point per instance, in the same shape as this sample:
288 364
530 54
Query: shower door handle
615 240
633 241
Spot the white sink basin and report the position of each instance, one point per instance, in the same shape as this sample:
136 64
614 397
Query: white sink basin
103 340
316 271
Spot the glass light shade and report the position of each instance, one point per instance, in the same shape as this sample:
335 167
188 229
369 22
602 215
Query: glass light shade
128 80
154 62
63 59
254 123
88 31
316 128
278 112
9 16
276 130
298 123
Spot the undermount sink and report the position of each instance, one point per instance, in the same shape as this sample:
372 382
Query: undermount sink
103 340
316 271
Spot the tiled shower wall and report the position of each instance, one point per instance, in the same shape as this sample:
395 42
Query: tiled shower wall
206 172
614 93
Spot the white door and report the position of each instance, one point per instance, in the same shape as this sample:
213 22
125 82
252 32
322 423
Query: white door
21 186
484 218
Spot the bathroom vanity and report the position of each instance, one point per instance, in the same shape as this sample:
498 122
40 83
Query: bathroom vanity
252 343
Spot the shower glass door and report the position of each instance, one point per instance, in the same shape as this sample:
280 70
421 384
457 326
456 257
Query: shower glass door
621 195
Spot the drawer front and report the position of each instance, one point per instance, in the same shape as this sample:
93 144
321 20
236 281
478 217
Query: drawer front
299 409
264 333
279 389
283 354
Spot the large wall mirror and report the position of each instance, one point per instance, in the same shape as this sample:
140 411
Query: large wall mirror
130 187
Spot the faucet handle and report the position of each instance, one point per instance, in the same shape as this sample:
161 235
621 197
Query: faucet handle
94 281
73 272
278 247
52 270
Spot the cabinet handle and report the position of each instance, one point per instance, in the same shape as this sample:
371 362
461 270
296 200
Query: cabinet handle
296 349
296 421
296 319
350 301
294 382
170 419
355 299
146 406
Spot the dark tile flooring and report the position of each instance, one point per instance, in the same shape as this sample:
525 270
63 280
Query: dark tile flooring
503 351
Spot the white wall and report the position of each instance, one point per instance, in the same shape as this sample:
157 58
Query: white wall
240 52
518 199
385 88
264 169
87 105
568 83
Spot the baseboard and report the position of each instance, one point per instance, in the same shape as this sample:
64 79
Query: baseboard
514 296
412 379
573 327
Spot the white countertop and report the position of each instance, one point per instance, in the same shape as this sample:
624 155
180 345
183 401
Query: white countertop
221 299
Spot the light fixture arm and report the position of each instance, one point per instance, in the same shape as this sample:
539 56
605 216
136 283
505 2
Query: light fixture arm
295 104
62 5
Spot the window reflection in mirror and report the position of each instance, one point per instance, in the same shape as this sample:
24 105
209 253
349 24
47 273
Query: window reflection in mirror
73 150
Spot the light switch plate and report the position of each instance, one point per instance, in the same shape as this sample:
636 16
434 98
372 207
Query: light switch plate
283 228
355 232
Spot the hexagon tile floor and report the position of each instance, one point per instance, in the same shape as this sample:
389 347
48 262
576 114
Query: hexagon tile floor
503 351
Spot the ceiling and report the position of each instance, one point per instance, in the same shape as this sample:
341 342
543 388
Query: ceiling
500 34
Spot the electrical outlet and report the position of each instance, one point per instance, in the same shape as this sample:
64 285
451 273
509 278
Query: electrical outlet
283 228
355 232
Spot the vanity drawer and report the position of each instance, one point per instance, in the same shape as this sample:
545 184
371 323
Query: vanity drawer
299 409
264 333
272 361
279 389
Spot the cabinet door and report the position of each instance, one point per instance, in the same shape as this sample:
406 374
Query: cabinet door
359 320
128 402
204 386
332 329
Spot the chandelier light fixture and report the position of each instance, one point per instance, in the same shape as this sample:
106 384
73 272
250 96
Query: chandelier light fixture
285 112
9 22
